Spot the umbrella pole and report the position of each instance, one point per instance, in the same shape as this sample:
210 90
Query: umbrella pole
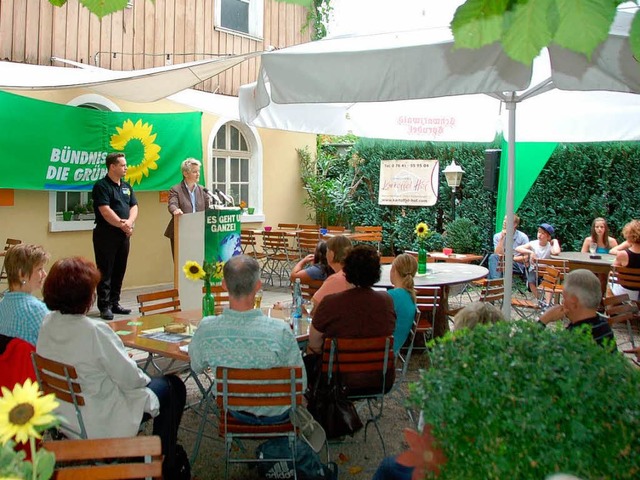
508 245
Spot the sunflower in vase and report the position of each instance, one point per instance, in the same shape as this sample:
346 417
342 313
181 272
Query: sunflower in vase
210 273
24 415
422 233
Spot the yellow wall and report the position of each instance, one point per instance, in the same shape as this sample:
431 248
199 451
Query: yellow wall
150 258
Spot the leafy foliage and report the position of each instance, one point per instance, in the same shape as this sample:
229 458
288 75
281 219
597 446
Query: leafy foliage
510 400
463 236
526 26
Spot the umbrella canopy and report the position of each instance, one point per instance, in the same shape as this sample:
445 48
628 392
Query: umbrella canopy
147 85
570 90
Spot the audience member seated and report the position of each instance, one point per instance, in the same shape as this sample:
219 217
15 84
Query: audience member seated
242 337
21 313
519 239
118 395
599 236
582 295
539 249
473 314
403 269
629 257
337 249
313 267
359 312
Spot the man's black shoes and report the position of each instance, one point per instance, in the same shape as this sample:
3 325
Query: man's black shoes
106 314
117 308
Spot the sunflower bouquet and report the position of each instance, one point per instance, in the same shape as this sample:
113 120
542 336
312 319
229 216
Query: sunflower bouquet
24 415
210 272
422 233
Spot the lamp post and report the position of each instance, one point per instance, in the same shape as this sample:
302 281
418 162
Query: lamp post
454 177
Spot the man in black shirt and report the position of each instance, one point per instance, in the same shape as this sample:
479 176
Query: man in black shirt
582 295
116 210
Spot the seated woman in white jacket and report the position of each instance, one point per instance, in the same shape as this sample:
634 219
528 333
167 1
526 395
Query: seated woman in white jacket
117 393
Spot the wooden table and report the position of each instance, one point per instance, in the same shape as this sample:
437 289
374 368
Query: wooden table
441 275
134 339
600 266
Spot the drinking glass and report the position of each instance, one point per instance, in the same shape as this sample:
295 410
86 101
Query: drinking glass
258 300
593 246
308 306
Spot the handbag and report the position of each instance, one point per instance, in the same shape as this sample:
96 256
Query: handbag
330 406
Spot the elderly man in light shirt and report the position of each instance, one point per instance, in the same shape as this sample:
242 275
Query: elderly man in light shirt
519 238
242 337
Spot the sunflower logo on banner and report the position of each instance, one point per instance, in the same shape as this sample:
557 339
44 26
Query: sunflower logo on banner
137 141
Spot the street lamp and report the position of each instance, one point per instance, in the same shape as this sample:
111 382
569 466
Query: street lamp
454 176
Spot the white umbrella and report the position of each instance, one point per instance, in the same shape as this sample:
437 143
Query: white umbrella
341 73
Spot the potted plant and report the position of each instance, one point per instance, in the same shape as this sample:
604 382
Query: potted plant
67 216
514 400
463 236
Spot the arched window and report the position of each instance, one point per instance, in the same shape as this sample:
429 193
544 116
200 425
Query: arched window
231 166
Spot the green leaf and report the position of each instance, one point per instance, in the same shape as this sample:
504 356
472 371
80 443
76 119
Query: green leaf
477 23
104 7
527 30
583 24
46 464
57 3
634 37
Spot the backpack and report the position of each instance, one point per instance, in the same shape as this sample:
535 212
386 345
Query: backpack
308 464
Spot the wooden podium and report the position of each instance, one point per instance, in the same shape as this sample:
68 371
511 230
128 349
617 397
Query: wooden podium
214 233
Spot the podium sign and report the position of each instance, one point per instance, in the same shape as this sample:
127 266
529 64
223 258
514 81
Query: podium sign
222 234
212 235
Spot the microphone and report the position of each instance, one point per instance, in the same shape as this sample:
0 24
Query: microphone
227 198
212 197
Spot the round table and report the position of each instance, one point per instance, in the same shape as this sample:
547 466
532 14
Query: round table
600 266
440 275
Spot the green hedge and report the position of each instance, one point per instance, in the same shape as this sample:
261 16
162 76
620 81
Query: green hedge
579 183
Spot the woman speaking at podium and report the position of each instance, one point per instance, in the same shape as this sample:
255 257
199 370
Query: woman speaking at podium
188 196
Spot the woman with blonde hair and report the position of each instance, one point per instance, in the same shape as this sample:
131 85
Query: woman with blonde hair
599 236
403 269
21 313
629 257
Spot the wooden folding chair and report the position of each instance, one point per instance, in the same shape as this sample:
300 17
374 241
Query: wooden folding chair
528 309
620 308
369 234
239 389
94 459
61 380
307 242
626 277
309 289
427 302
335 229
362 356
159 302
288 226
278 259
8 244
249 242
156 303
309 227
403 358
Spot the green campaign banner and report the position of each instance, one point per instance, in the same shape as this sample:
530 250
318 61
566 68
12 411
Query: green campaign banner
222 234
48 146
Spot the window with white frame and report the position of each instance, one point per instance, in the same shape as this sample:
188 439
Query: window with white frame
231 164
243 16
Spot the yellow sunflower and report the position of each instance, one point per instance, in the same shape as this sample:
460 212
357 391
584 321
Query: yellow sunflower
422 230
24 409
193 271
142 132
